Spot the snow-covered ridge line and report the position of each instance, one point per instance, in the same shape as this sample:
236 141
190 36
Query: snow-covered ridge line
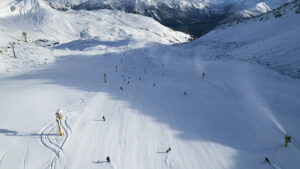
178 4
271 40
195 17
275 13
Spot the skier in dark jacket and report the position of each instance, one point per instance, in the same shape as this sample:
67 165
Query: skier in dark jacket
108 159
103 117
168 150
267 160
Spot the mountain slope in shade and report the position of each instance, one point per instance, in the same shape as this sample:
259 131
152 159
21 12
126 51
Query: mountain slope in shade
271 40
195 17
248 7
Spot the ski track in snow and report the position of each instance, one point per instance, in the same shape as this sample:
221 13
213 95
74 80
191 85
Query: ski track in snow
168 161
43 141
52 163
3 156
113 166
26 155
51 140
68 126
56 144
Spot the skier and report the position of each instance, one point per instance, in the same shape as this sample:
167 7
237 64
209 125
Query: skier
287 140
168 150
267 160
103 117
203 75
108 159
184 93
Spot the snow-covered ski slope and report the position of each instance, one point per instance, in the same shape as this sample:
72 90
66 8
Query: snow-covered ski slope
271 40
231 119
39 21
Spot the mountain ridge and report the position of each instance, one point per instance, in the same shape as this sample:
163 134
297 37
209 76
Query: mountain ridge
195 17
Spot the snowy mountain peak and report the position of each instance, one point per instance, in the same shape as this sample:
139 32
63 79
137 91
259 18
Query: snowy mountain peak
258 5
195 17
270 39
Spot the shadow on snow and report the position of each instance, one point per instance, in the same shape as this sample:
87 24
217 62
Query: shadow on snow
84 44
23 134
212 111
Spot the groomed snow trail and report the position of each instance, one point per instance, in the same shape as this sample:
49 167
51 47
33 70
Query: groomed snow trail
226 120
157 98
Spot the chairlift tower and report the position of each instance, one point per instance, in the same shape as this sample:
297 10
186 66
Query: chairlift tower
25 36
13 49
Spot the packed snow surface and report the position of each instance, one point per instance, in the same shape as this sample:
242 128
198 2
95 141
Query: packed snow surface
212 112
104 28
